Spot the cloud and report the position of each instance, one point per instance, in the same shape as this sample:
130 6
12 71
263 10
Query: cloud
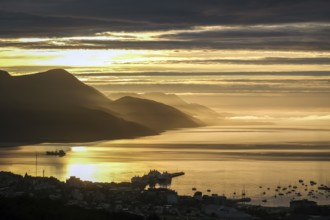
311 118
261 61
260 84
251 117
298 37
186 24
21 24
132 15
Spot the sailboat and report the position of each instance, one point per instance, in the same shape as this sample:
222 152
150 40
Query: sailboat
59 153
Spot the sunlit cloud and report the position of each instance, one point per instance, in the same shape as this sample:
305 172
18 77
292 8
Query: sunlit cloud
108 60
251 117
312 118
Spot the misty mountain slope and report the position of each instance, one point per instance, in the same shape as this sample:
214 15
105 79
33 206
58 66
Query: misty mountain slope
168 99
155 115
174 100
201 112
54 106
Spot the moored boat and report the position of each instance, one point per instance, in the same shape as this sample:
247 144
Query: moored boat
59 153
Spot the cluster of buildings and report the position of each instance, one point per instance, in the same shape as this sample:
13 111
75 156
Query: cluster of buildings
124 197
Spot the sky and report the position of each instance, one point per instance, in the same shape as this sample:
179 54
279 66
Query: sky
165 36
227 48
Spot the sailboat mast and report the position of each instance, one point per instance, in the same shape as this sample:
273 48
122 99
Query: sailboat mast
36 164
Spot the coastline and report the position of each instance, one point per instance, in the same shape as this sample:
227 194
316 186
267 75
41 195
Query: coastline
124 201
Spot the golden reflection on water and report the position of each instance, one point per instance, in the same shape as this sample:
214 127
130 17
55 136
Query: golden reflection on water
222 168
83 171
80 164
96 164
78 149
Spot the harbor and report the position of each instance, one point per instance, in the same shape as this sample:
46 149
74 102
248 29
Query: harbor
128 199
222 170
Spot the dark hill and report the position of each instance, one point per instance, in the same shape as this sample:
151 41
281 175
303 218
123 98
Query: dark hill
51 89
155 115
4 74
201 112
54 106
65 125
168 99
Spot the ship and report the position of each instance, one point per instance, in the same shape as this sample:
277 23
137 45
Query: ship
326 188
155 177
59 153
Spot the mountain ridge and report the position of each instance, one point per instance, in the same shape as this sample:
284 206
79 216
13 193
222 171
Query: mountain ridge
54 106
154 115
203 113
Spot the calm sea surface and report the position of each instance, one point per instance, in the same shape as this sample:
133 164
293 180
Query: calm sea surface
224 159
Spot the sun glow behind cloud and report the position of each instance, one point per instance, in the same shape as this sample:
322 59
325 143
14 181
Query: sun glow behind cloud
217 48
114 60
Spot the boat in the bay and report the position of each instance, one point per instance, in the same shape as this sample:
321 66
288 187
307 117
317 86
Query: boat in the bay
60 153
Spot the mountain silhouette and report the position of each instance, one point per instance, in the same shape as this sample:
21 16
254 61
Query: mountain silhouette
203 113
155 115
54 106
4 74
50 89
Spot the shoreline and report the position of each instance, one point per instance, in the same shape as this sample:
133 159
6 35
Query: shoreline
126 199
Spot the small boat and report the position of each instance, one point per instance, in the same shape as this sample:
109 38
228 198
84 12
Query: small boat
59 153
208 190
193 189
264 200
312 183
324 188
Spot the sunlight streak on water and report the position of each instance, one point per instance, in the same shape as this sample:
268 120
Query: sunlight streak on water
225 160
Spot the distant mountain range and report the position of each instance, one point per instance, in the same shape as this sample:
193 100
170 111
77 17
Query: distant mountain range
155 115
54 106
200 112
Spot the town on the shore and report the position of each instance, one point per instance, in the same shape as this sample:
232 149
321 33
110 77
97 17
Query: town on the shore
146 197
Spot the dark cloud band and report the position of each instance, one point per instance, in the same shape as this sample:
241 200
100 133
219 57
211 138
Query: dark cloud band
300 25
72 16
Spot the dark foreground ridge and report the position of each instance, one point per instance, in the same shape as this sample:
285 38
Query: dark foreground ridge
47 198
54 106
